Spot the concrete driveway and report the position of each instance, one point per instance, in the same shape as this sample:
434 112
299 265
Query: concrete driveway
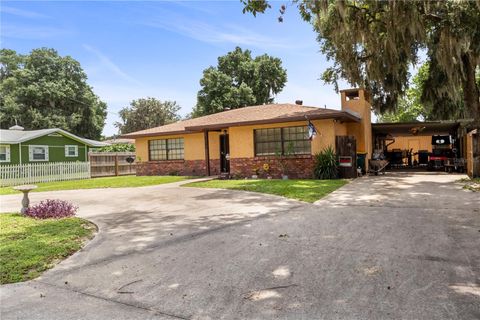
400 246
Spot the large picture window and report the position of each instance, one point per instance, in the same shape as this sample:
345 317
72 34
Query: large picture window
166 149
289 140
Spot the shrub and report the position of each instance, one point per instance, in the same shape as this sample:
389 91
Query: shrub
119 147
326 164
52 209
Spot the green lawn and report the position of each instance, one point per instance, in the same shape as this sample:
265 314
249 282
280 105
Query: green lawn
303 190
29 246
109 182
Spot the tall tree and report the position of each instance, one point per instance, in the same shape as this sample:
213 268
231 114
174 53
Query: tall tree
412 106
238 81
44 90
373 44
147 113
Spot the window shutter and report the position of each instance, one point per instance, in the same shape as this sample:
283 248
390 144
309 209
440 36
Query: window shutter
30 153
7 157
66 151
46 153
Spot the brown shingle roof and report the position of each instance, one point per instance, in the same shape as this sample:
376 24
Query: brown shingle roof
270 113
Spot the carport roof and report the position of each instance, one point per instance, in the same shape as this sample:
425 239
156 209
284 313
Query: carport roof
424 128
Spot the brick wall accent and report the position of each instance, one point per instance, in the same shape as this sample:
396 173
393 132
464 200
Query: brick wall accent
300 167
171 167
177 167
214 167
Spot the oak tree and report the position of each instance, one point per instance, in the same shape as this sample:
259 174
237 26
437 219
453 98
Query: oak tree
43 90
239 80
147 113
374 43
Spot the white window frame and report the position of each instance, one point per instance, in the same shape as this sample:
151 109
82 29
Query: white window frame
7 152
67 154
30 153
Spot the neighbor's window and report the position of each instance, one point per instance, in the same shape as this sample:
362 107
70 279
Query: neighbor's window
38 153
166 149
71 151
289 140
4 153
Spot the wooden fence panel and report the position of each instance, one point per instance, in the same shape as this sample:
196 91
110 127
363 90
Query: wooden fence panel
12 175
108 164
346 148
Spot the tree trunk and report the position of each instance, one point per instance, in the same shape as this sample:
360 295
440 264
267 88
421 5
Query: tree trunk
472 104
471 93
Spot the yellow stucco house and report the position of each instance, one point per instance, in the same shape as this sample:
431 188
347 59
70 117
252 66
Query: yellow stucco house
241 140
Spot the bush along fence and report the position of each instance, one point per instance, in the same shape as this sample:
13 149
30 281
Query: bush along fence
11 175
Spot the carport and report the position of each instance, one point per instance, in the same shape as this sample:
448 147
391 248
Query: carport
411 145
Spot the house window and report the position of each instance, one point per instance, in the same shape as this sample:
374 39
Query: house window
283 141
295 140
38 153
166 149
71 151
268 141
4 153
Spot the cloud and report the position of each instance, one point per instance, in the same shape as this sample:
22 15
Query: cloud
109 64
26 32
218 34
118 96
193 5
22 13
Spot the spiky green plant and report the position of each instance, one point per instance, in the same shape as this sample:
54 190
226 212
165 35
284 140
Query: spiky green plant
326 164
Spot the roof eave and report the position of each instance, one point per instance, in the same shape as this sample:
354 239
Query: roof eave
97 145
54 130
339 115
79 139
155 134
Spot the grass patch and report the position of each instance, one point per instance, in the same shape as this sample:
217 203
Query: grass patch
108 182
471 184
303 190
29 246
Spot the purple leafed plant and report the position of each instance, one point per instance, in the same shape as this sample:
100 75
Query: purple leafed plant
52 208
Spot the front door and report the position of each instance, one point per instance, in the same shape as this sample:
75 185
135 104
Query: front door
224 153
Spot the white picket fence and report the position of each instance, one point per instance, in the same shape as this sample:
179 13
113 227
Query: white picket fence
12 175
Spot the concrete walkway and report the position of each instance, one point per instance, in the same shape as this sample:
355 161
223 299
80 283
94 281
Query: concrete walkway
400 246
